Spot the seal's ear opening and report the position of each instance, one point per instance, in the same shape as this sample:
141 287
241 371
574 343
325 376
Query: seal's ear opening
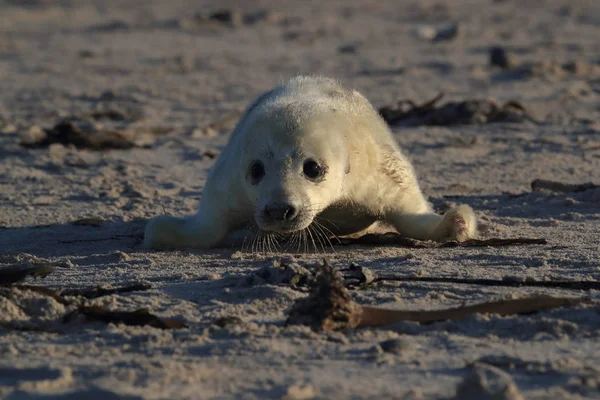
347 168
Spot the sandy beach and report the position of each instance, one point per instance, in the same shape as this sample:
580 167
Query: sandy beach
164 82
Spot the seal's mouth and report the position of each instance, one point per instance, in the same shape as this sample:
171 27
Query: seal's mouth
284 227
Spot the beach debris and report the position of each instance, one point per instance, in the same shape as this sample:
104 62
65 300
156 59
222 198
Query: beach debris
17 273
329 306
395 346
301 391
409 113
357 276
499 57
554 186
392 238
229 18
114 114
141 317
227 320
43 291
349 48
88 133
83 135
100 291
89 221
446 33
437 34
487 382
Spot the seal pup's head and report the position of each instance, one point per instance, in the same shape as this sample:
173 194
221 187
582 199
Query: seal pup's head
294 160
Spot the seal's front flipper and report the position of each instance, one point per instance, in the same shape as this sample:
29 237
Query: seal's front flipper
166 232
457 224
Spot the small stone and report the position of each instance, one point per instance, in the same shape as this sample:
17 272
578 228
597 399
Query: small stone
349 48
206 131
8 129
57 150
499 57
229 320
34 134
447 33
86 54
263 15
395 346
487 382
230 17
300 392
425 32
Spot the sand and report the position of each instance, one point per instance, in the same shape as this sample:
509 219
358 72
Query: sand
169 74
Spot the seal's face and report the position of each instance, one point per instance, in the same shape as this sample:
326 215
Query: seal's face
292 172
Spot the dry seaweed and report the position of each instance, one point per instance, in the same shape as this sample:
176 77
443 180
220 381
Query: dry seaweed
98 291
554 186
68 132
395 239
89 221
16 274
329 306
10 326
409 113
141 317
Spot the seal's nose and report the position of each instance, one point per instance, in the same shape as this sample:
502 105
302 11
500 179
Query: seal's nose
281 212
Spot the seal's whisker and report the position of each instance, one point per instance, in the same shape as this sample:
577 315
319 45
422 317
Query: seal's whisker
318 236
326 230
309 232
324 235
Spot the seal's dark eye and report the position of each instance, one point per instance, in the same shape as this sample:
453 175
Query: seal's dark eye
257 171
312 170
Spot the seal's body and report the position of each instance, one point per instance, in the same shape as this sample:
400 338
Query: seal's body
310 157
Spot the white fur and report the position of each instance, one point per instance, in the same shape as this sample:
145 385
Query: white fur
368 179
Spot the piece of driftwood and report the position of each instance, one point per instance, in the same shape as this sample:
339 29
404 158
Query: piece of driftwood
553 186
373 316
329 306
15 274
43 291
141 317
357 276
395 239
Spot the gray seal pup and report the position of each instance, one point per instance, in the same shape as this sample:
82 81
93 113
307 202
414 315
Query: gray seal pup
310 158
